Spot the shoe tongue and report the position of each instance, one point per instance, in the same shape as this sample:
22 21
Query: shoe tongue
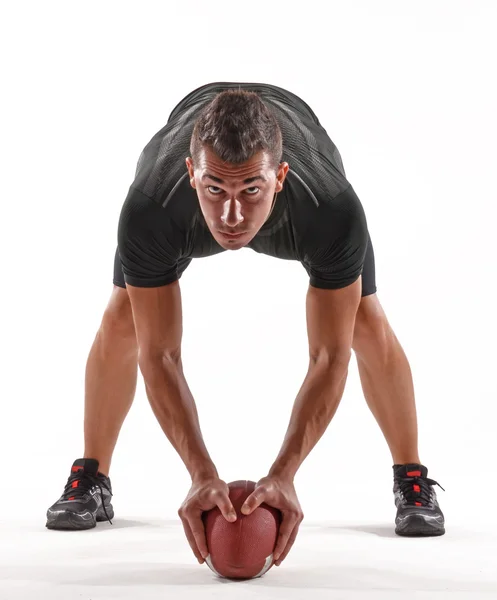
410 470
88 465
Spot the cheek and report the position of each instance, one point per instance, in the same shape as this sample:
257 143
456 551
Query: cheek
257 214
208 209
265 209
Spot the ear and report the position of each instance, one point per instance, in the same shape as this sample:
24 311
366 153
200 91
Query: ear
191 170
281 175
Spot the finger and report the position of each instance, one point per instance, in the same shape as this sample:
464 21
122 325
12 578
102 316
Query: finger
198 532
286 529
191 540
255 499
291 540
224 504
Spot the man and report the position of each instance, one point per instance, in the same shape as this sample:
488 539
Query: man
262 173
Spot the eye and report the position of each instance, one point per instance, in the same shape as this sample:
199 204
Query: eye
252 188
217 191
214 190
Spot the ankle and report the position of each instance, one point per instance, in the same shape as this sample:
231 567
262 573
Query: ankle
103 465
406 459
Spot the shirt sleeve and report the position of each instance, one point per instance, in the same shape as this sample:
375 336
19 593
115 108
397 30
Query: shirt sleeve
147 242
336 243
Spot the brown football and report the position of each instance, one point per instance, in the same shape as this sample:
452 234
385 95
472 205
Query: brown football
243 549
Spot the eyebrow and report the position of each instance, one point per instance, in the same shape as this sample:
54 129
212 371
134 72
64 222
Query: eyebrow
248 180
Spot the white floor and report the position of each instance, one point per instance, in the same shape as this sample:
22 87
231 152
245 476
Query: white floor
139 558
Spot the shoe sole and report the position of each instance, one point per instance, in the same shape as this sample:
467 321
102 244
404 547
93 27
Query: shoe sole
418 526
70 521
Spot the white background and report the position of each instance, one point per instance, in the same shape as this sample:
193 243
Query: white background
405 90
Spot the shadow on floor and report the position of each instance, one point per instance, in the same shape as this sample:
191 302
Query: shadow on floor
330 577
385 531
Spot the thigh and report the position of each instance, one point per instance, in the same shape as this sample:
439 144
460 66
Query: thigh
368 271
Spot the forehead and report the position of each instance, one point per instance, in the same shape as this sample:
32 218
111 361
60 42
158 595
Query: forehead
210 164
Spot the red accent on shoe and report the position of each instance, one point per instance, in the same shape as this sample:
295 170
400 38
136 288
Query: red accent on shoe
76 469
417 488
414 473
71 498
75 483
418 504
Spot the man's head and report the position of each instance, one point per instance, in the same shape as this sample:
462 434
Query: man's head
236 148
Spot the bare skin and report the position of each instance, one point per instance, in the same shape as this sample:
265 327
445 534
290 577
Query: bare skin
235 199
386 380
111 375
110 379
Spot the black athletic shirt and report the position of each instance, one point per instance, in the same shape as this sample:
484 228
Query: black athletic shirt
317 218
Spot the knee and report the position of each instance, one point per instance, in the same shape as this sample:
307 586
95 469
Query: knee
371 324
118 316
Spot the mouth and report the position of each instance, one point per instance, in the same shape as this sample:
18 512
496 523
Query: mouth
233 236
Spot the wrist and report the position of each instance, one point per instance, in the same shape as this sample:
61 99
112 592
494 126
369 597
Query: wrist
284 469
204 472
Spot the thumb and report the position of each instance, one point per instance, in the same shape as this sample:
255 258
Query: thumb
255 499
227 510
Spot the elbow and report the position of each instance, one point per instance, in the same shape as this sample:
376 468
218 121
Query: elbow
153 361
327 359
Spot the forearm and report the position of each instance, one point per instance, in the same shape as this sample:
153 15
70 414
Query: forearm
175 410
314 407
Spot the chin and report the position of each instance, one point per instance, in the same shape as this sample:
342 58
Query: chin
234 245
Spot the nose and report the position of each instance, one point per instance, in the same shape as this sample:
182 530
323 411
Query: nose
232 213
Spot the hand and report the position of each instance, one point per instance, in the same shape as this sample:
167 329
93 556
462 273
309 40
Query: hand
204 495
278 493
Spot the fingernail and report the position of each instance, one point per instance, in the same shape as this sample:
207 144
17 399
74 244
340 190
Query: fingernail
245 509
232 516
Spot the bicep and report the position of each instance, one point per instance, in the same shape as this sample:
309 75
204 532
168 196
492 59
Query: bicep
157 315
331 317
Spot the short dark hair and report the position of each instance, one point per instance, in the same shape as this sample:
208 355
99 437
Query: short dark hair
236 125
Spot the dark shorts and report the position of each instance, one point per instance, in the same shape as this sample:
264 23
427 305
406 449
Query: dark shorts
368 271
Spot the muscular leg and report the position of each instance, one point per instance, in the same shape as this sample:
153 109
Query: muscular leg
110 380
386 380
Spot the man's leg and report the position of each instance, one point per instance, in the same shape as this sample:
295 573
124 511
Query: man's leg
386 380
387 384
110 381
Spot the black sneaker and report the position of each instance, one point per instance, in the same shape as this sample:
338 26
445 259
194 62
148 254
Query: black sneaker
86 498
418 512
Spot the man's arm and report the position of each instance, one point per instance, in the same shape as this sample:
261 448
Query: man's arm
158 322
330 324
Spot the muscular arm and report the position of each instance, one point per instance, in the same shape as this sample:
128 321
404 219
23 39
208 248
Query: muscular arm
330 324
158 321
